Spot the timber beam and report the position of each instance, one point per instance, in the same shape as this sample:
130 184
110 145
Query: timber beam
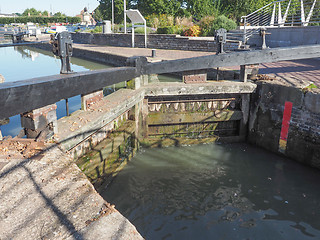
234 59
24 96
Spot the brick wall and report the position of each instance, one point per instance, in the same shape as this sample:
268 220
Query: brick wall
267 108
159 41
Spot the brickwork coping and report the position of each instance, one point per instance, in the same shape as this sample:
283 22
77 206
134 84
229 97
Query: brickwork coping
90 99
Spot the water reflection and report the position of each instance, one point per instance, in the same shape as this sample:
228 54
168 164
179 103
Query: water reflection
217 192
27 53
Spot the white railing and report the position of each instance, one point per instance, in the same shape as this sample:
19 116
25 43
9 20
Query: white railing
282 13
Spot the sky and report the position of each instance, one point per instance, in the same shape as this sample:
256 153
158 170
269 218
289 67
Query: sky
69 7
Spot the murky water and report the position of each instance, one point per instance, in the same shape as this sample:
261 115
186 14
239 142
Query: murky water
232 191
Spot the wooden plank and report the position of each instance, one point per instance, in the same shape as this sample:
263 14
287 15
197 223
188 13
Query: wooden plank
159 118
23 96
234 59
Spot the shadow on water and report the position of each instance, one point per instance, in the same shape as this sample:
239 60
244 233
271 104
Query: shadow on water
232 191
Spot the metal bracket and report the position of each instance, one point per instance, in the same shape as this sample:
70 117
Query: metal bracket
221 39
263 33
62 47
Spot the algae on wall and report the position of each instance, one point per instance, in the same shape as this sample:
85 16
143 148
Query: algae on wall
106 159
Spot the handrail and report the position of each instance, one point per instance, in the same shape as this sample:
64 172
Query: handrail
262 8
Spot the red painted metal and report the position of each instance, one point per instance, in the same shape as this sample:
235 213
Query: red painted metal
286 121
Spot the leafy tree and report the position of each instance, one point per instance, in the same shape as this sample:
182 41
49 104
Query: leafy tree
31 11
98 15
222 22
105 9
59 14
148 7
45 13
238 8
200 8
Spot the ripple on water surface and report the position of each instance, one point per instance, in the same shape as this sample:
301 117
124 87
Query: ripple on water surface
232 191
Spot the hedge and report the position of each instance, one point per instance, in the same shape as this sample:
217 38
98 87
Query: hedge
40 20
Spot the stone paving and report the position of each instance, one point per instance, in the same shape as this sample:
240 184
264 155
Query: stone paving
161 54
306 70
46 196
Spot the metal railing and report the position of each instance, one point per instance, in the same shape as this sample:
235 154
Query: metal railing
281 13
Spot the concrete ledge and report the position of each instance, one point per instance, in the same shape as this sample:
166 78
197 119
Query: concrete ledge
48 197
83 124
312 101
199 89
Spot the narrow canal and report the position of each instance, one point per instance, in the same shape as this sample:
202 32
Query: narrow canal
230 191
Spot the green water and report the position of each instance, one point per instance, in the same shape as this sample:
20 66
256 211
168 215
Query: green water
232 191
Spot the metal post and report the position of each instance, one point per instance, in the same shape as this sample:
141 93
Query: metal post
153 53
244 31
303 18
67 107
273 15
132 35
263 35
279 15
145 34
112 16
125 16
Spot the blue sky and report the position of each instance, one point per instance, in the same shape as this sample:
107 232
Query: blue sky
69 7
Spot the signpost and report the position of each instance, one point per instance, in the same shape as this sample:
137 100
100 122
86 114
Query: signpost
136 17
125 16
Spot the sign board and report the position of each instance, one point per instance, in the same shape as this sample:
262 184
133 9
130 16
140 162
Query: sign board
136 17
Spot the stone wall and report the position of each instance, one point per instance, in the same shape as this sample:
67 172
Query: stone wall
158 41
303 142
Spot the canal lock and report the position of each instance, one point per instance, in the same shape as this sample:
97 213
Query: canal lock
162 121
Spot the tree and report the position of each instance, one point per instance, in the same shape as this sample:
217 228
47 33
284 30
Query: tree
105 9
31 11
239 8
148 7
45 13
59 14
98 15
200 8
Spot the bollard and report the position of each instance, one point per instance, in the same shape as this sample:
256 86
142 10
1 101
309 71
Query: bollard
153 53
106 27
